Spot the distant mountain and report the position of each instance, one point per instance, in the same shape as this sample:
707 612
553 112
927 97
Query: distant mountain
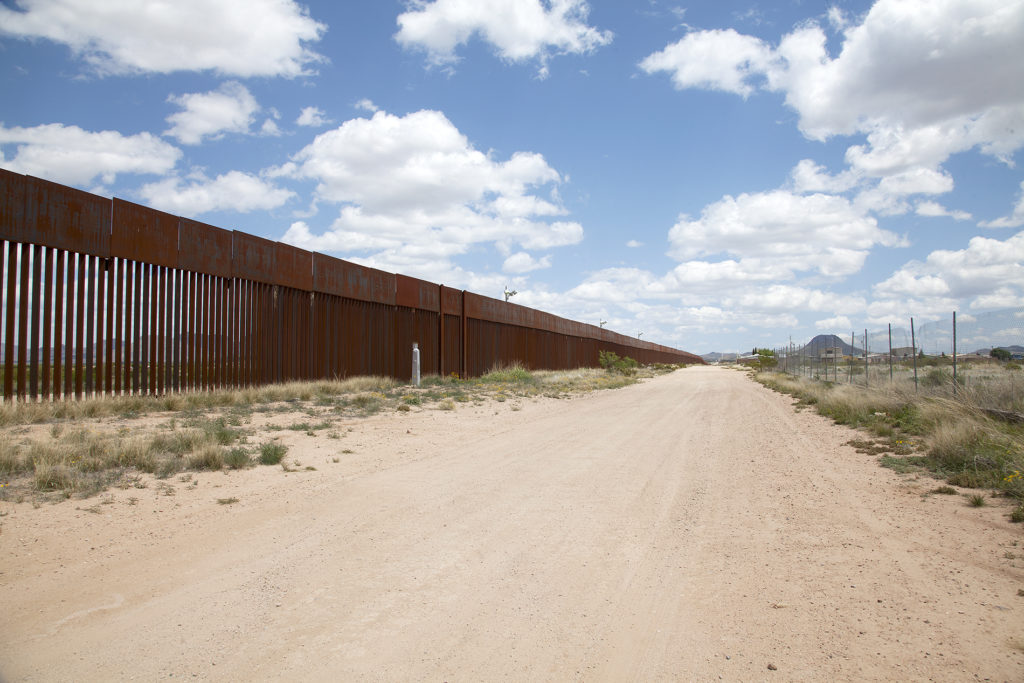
717 356
816 346
1013 348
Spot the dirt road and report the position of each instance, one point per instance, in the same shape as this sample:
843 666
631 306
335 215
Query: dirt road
693 527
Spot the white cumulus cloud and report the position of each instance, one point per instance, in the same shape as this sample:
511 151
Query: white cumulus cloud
519 30
231 191
781 234
71 155
989 273
921 79
522 262
1014 220
413 192
233 37
716 60
229 109
312 116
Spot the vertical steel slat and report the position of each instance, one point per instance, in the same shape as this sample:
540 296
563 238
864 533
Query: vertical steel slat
58 324
119 322
222 325
162 338
236 356
265 345
283 311
197 329
211 332
248 314
169 332
12 283
33 368
239 288
23 303
205 332
47 319
226 328
104 311
80 270
90 322
176 368
254 331
159 309
250 333
152 292
143 334
187 332
272 332
218 330
212 336
199 341
137 295
3 273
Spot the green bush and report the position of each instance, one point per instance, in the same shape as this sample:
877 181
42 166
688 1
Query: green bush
272 453
237 459
611 362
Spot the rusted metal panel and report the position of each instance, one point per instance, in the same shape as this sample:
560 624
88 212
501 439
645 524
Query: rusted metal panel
204 248
412 292
144 234
497 311
451 301
12 206
294 267
352 281
253 257
63 217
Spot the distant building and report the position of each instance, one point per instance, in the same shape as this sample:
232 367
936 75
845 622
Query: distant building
830 353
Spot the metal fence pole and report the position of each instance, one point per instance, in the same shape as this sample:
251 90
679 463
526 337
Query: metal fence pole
913 351
954 355
865 356
890 353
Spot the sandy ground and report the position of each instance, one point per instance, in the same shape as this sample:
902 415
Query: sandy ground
693 527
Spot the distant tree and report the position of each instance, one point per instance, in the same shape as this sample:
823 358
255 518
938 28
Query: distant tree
1000 354
766 358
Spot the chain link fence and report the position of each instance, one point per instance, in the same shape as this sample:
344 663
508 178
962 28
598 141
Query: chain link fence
963 356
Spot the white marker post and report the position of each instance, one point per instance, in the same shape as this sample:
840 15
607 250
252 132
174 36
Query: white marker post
415 364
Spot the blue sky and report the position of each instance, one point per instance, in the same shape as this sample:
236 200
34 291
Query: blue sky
716 175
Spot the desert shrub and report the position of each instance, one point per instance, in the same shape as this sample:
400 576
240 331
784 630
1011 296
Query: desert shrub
209 457
612 362
272 453
513 372
237 459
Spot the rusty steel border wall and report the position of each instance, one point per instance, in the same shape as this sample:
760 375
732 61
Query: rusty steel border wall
106 297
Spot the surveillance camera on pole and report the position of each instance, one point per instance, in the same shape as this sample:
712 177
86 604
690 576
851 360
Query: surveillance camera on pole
603 323
509 293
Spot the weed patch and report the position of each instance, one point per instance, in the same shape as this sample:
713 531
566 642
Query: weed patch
272 453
